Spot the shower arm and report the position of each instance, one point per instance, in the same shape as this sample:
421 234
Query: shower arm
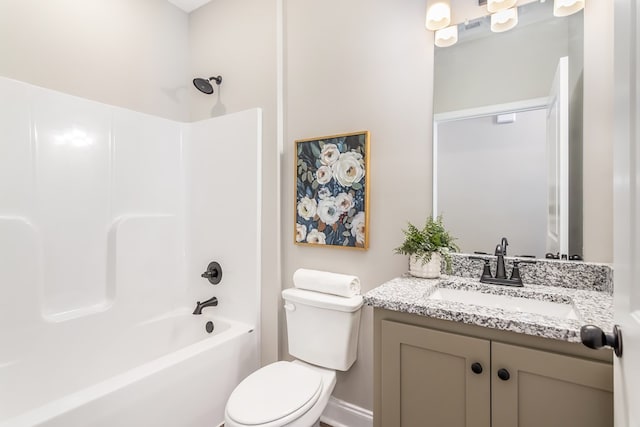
217 79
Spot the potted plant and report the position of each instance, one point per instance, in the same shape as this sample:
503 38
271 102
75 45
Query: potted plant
427 247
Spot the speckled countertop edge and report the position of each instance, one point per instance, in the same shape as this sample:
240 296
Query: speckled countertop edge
410 295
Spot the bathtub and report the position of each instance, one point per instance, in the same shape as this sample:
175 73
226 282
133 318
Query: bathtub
166 371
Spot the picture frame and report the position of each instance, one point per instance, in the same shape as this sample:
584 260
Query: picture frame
331 206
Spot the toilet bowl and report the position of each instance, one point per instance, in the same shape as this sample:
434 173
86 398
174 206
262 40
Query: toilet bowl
322 335
291 394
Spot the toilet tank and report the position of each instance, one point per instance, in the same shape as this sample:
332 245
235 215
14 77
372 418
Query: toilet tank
322 329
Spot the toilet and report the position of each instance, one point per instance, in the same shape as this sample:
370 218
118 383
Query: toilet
323 337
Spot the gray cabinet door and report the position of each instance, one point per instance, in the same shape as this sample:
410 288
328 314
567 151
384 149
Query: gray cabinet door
427 378
548 389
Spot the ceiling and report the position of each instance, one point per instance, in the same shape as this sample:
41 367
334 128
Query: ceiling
189 5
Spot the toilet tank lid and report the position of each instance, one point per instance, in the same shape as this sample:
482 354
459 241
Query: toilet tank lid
318 299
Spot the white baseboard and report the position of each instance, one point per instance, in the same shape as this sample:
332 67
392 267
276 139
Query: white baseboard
339 413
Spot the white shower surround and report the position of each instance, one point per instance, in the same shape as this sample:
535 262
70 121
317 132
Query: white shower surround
107 219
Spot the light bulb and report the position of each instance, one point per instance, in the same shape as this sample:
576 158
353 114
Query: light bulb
497 5
438 15
447 36
567 7
504 20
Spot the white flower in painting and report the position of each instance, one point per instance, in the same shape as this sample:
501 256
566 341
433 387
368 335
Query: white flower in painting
357 227
301 232
317 237
344 201
329 154
307 208
328 211
323 174
323 193
349 168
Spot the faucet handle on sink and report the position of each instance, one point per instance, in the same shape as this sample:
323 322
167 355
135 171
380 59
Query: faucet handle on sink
486 271
515 272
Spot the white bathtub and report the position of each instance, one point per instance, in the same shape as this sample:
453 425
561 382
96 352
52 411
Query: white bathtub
166 371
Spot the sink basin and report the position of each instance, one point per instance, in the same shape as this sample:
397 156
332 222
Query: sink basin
507 303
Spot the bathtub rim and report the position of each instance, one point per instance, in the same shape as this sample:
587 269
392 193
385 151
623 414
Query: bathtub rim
76 399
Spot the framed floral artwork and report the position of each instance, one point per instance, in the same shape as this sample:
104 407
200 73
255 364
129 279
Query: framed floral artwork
332 191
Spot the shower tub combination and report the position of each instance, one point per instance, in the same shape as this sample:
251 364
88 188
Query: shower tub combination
108 217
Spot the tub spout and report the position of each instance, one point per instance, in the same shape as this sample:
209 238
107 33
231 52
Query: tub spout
211 302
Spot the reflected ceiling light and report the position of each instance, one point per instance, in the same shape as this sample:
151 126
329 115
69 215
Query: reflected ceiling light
504 20
497 5
567 7
438 14
447 36
74 138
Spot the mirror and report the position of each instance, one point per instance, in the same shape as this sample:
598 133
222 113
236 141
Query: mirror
507 159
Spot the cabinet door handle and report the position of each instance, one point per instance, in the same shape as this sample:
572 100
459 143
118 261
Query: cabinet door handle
476 368
503 374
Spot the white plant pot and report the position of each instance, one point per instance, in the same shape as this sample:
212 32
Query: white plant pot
429 270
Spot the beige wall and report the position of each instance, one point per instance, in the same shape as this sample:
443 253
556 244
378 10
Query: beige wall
237 39
132 54
598 132
351 66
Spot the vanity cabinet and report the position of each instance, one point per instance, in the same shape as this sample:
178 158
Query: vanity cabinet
427 376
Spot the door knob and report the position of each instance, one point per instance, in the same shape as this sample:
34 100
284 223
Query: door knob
503 374
593 337
476 368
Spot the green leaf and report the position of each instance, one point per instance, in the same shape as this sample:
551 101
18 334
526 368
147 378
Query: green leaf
356 186
314 185
346 233
433 237
315 150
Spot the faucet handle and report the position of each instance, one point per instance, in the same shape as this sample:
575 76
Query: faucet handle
213 273
486 270
515 272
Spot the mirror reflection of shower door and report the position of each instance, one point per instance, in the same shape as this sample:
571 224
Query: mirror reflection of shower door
557 161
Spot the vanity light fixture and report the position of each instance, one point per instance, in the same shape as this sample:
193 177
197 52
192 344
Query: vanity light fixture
567 7
498 5
438 14
447 36
504 20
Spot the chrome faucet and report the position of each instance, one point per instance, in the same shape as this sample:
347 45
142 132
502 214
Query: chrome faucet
211 302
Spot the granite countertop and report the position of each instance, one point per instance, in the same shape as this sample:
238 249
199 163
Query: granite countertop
411 295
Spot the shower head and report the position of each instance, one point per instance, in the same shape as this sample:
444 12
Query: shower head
204 85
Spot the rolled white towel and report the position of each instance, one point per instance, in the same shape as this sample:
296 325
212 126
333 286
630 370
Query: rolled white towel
329 283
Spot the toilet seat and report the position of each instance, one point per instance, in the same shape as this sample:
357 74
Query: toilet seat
274 395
